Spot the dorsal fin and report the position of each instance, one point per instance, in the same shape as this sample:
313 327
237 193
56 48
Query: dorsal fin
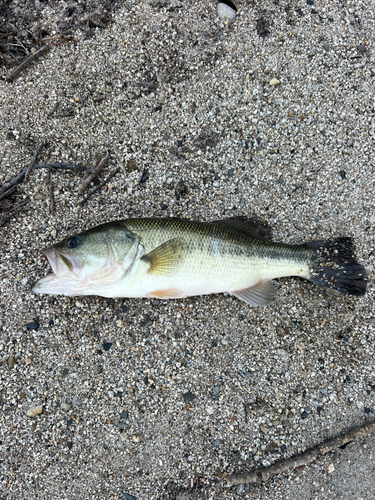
252 227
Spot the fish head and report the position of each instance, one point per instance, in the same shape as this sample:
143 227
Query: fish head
89 263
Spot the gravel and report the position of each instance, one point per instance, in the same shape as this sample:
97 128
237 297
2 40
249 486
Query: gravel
153 399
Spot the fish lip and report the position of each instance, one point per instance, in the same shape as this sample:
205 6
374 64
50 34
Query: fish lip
61 263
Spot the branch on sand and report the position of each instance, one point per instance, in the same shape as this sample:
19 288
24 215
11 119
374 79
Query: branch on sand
304 458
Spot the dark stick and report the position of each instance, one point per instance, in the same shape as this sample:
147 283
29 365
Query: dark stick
115 172
6 217
31 166
8 193
102 163
13 75
61 166
57 166
51 195
147 85
304 458
16 180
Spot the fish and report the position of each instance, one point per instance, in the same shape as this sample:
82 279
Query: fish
171 258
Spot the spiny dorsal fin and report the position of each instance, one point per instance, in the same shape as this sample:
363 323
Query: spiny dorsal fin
165 258
260 294
252 227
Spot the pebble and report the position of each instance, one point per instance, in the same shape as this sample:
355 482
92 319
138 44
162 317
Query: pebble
124 309
66 406
76 401
326 46
266 463
34 411
11 362
126 496
189 397
33 325
97 369
225 12
240 490
274 82
107 345
330 468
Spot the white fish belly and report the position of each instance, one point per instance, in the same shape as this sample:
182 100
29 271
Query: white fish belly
202 275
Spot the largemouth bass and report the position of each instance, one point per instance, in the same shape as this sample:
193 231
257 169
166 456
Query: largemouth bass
175 258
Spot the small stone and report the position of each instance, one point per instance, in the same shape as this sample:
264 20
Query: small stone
97 369
28 361
11 362
76 401
40 197
66 406
131 166
240 490
179 144
33 412
144 178
330 468
326 46
266 463
189 397
362 48
310 2
210 410
34 325
124 415
124 309
225 12
126 496
63 25
216 443
342 174
107 345
274 82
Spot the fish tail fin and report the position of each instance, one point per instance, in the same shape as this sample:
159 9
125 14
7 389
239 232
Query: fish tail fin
334 265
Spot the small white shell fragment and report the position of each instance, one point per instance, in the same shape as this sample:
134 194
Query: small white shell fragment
33 412
225 12
274 82
330 468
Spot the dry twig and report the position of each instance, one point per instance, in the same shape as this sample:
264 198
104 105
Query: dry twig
115 172
86 181
13 182
6 217
304 458
14 74
31 166
51 195
8 193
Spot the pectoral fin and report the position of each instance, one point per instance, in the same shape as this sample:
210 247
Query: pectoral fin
260 294
166 258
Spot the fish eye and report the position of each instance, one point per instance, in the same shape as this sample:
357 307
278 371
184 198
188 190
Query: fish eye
72 242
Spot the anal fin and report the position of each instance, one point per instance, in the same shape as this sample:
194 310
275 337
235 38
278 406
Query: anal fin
260 294
171 293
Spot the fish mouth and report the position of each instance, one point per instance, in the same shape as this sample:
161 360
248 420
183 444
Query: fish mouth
64 279
62 265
